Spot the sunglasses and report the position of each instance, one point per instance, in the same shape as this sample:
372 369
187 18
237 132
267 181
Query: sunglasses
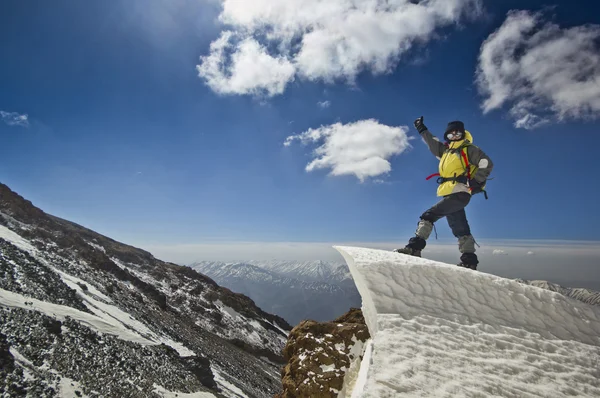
455 135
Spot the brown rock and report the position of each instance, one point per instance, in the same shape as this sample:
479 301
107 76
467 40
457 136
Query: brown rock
319 354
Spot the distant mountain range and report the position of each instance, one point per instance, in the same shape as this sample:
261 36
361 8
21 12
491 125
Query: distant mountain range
294 290
585 295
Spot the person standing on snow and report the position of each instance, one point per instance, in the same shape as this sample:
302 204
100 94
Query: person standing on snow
464 169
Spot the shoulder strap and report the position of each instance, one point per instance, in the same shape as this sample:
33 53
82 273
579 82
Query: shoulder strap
463 152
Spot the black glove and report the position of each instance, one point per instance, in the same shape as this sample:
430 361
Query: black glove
476 187
419 125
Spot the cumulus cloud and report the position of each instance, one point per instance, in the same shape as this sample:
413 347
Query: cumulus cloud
324 104
14 119
269 42
362 149
545 73
250 69
498 252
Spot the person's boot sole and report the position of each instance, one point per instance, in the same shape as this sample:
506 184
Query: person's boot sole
414 254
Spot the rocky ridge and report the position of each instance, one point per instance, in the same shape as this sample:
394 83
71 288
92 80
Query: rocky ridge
190 334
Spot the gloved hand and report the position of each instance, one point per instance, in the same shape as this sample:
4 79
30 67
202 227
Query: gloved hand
419 125
476 187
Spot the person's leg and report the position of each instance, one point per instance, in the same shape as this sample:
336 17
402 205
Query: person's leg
466 243
448 205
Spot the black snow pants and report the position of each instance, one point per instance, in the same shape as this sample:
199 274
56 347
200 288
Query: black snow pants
453 208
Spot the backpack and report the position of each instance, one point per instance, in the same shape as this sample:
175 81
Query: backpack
471 170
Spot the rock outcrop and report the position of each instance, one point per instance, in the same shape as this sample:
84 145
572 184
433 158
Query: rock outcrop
323 358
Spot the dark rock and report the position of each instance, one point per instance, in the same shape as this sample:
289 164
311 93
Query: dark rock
53 326
200 367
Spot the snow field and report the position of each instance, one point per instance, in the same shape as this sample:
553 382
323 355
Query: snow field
442 331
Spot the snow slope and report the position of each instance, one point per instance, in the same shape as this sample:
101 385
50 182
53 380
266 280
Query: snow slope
107 319
61 312
442 331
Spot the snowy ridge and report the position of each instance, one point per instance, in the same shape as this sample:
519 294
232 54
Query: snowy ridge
439 330
106 318
220 271
585 295
68 294
310 271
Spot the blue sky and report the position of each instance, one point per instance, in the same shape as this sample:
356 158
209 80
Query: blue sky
125 134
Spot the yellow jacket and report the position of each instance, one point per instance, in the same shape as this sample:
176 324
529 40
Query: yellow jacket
452 164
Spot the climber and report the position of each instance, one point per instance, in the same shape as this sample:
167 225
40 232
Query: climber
463 171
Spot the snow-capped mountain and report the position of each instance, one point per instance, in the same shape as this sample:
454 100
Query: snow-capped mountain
310 271
585 295
293 290
84 315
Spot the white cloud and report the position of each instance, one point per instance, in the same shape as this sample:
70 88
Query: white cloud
14 119
497 252
251 70
530 253
361 148
322 40
324 104
542 71
527 120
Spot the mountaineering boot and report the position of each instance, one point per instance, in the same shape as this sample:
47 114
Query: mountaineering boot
408 250
414 247
469 260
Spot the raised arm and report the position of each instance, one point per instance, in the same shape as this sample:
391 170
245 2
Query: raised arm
435 146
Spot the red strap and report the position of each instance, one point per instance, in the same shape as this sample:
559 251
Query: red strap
431 176
464 156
